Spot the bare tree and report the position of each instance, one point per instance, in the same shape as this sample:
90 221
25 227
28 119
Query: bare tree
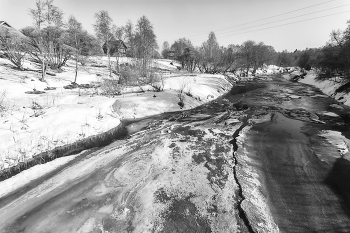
247 55
119 33
210 55
38 13
103 30
211 47
165 49
336 54
46 13
54 15
47 47
74 34
130 38
145 42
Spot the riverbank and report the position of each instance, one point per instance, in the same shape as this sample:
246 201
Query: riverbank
329 86
34 124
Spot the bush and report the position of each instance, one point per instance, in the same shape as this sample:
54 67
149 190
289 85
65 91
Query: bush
47 47
181 104
111 86
2 102
181 96
134 75
83 60
129 76
157 81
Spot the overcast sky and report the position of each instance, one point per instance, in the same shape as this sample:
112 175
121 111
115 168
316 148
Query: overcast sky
194 19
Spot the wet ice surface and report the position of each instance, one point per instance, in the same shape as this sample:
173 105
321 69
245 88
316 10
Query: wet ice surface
174 174
179 172
297 159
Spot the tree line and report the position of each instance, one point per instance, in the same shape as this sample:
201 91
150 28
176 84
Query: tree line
212 58
52 41
332 59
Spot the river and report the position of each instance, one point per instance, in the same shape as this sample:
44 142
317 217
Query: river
251 161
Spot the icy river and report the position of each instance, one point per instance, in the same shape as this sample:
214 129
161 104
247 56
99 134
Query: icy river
259 159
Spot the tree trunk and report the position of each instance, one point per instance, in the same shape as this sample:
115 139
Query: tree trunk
76 69
254 70
109 63
43 71
117 59
76 58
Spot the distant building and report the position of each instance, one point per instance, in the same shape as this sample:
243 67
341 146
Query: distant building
3 23
115 47
9 30
171 54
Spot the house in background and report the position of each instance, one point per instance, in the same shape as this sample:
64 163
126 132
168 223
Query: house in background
8 31
116 47
3 23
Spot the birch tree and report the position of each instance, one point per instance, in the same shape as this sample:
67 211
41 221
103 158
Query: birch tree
146 41
46 45
46 13
103 30
74 34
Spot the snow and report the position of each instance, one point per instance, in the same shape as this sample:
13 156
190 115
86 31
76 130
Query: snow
260 72
26 176
294 96
325 113
64 115
34 123
339 140
326 86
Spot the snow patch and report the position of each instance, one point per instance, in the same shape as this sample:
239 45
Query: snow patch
340 141
325 113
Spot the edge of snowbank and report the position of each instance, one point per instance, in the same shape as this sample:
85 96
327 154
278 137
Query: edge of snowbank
328 87
98 140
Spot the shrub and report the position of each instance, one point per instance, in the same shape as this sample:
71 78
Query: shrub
129 76
111 86
157 81
83 60
181 98
2 102
181 104
47 47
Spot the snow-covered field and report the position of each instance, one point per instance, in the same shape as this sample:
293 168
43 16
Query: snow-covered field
34 123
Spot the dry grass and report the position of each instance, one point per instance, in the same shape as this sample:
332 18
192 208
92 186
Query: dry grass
3 105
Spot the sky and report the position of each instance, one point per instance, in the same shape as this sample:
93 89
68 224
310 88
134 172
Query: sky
274 22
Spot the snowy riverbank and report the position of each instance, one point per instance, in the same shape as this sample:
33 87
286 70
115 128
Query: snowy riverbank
34 123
